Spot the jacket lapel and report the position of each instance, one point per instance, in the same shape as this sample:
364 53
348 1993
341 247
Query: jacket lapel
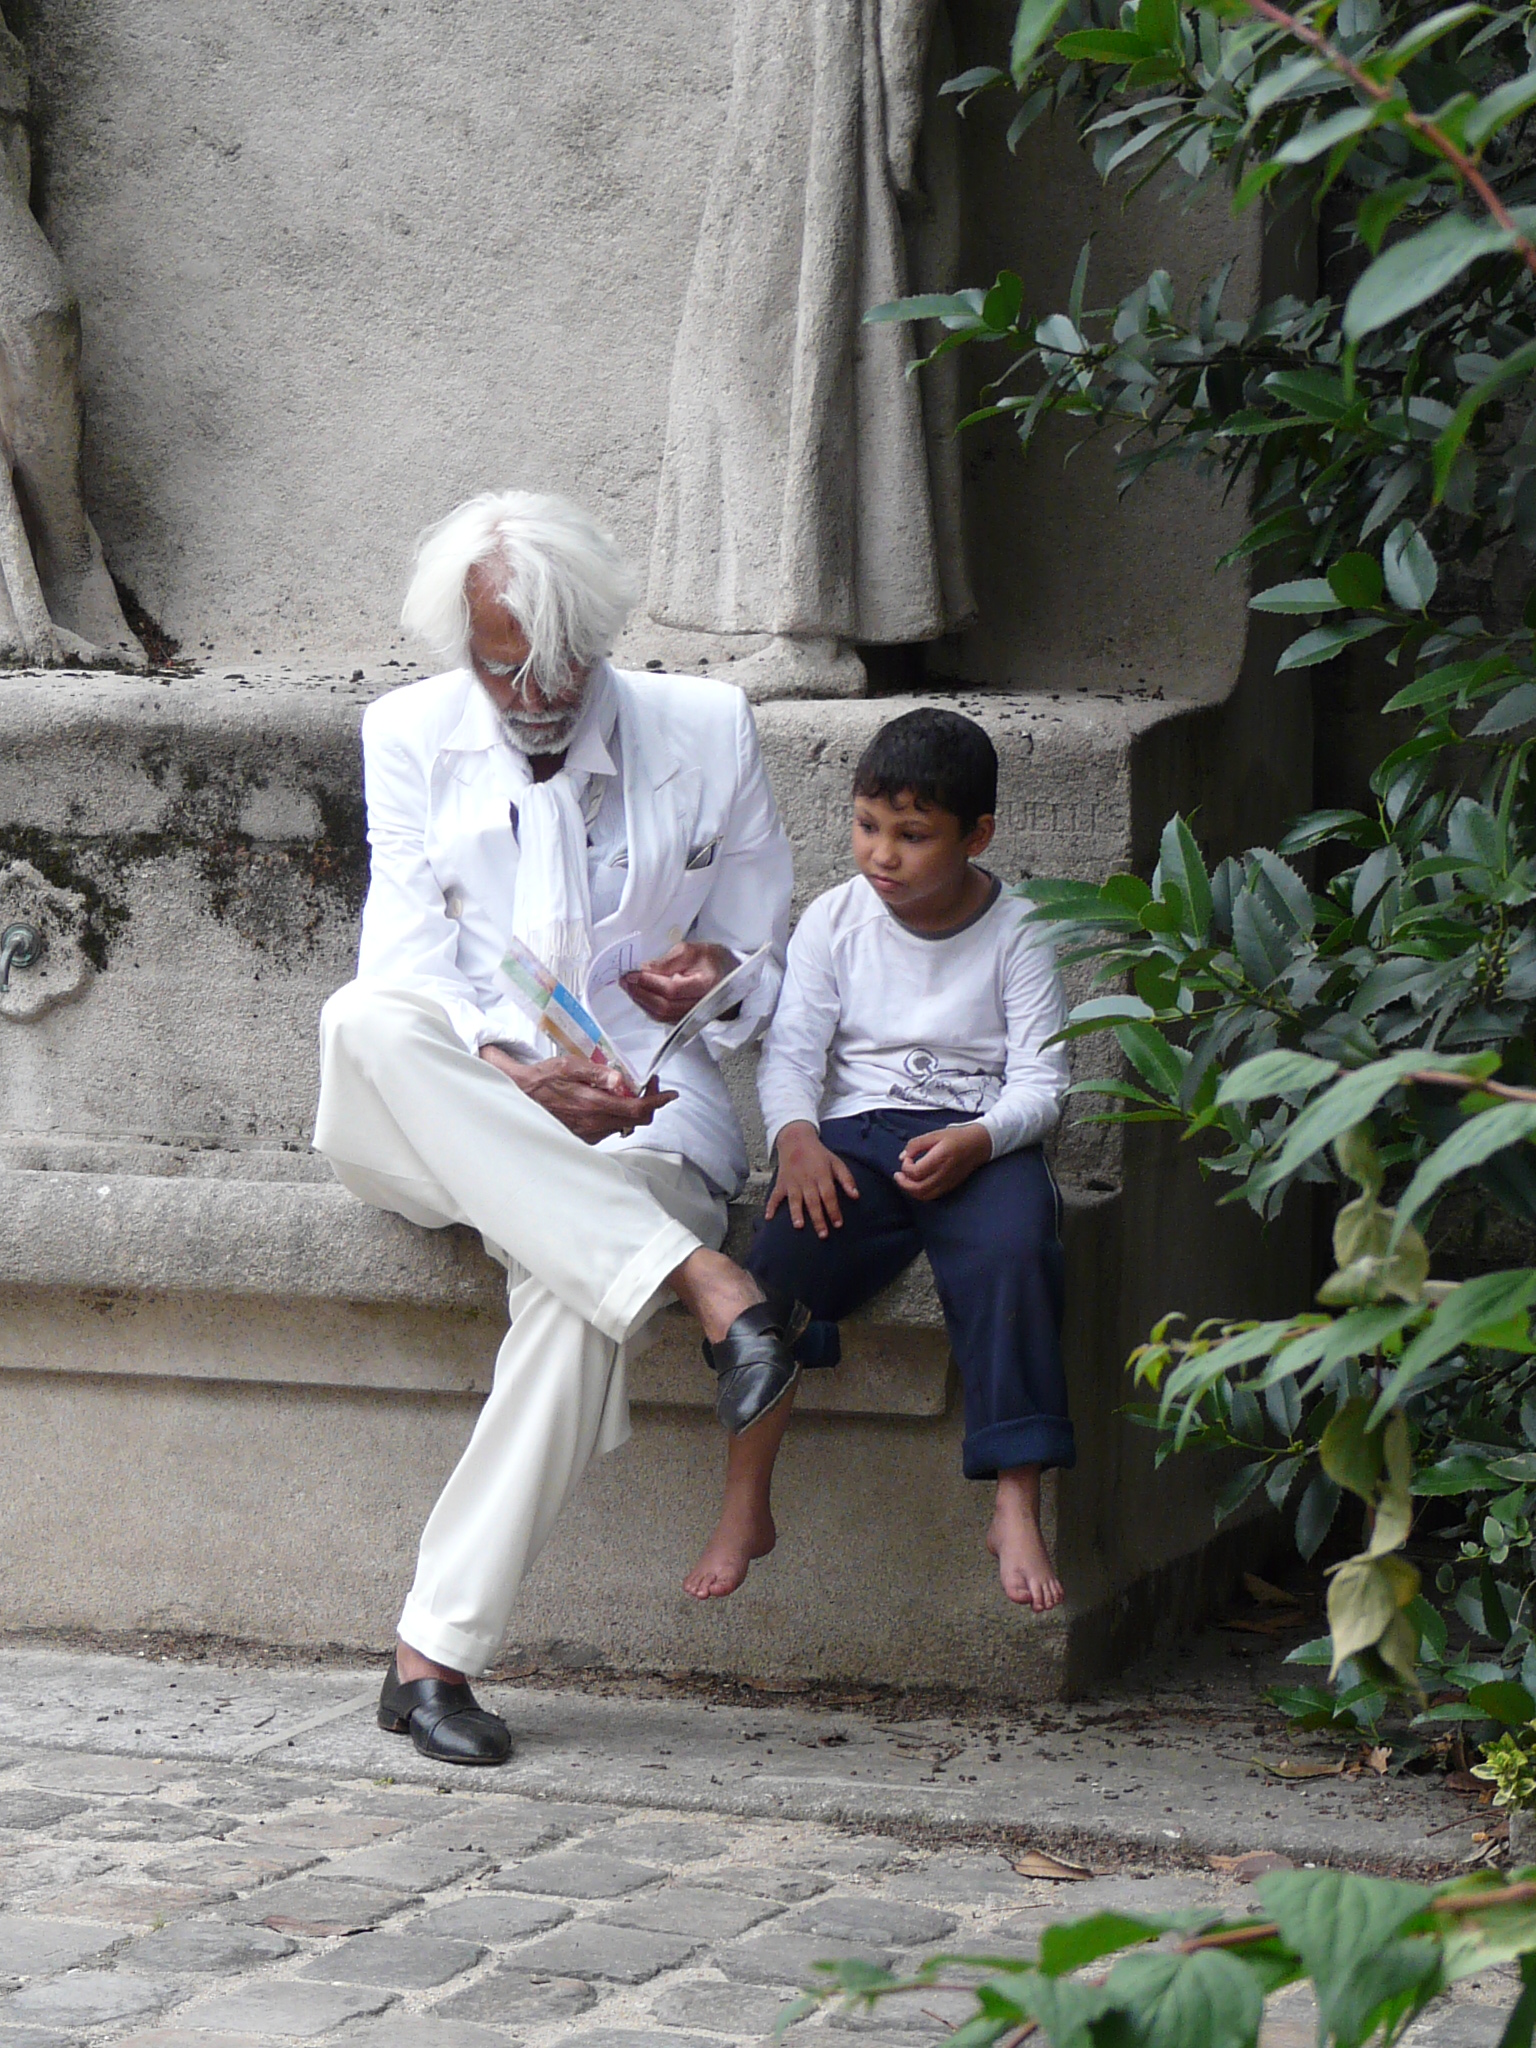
660 796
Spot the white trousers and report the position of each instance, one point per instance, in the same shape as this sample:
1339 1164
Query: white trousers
411 1121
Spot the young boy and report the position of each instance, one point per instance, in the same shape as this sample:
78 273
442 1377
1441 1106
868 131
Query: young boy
906 1086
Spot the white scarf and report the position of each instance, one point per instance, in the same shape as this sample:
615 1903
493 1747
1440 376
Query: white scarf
552 906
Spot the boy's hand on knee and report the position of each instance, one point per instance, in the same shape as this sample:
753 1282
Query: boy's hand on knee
938 1161
809 1179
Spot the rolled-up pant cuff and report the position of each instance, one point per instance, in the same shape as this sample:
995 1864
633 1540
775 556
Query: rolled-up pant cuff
1035 1440
634 1290
444 1643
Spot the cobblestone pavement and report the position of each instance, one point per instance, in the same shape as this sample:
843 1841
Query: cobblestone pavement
224 1900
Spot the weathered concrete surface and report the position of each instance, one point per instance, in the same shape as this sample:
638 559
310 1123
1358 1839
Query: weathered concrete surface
1164 1770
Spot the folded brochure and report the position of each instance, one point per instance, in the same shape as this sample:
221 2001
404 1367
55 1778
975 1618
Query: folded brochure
568 1022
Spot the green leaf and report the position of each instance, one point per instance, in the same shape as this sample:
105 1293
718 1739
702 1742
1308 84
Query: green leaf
1180 862
1479 1138
1505 1702
1073 1944
1504 104
1106 46
1319 136
1394 1501
1314 1516
1412 576
1253 183
1462 1472
1317 393
1406 48
1205 2000
1308 595
1350 1451
1274 1073
1349 1101
1340 1925
1033 23
1476 1305
1065 2010
1159 21
958 309
1364 1596
1379 209
975 80
1314 828
1238 1488
1355 580
1415 269
1327 641
1517 364
1152 1057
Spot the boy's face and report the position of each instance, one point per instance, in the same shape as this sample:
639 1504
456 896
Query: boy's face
914 856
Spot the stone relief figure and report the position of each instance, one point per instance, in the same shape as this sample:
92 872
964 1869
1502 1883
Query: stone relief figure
57 601
804 494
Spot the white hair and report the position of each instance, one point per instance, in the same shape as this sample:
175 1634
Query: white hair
554 569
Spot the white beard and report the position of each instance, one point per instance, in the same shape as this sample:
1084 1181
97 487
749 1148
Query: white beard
550 734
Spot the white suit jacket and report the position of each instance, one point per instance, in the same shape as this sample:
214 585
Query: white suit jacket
708 859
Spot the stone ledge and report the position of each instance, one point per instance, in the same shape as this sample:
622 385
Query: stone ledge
211 1233
293 1283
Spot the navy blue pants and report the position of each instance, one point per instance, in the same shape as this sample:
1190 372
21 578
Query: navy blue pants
994 1244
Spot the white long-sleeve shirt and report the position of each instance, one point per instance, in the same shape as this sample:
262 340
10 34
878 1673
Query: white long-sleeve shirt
874 1015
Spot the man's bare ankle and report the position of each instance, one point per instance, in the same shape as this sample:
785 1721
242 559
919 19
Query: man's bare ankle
715 1291
412 1664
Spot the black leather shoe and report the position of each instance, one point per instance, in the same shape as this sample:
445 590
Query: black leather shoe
443 1720
754 1364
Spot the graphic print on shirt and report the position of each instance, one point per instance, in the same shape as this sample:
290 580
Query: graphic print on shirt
936 1086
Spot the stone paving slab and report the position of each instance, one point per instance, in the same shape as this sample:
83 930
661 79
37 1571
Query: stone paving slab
206 1947
84 1998
30 1946
398 1962
298 2011
577 1874
414 2031
883 1923
510 1997
688 1909
404 1868
601 1952
494 1918
315 1905
735 2009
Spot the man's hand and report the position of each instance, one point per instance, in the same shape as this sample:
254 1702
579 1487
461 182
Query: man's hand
591 1101
809 1178
668 988
938 1161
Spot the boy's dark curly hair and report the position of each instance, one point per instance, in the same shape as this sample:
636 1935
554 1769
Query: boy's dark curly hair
943 761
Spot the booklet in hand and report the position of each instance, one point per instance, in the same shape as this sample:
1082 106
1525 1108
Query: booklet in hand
569 1022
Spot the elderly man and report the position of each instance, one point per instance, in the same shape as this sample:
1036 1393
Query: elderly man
533 791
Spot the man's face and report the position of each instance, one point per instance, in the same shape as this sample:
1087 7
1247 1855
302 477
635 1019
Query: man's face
539 718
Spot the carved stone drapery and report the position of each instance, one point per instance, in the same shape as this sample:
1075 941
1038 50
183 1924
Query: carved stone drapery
57 601
802 492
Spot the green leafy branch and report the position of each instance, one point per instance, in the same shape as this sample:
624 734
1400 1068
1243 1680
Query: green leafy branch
1376 1952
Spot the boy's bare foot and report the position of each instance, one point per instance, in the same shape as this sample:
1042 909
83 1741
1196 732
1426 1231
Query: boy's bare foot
740 1536
745 1529
1023 1562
